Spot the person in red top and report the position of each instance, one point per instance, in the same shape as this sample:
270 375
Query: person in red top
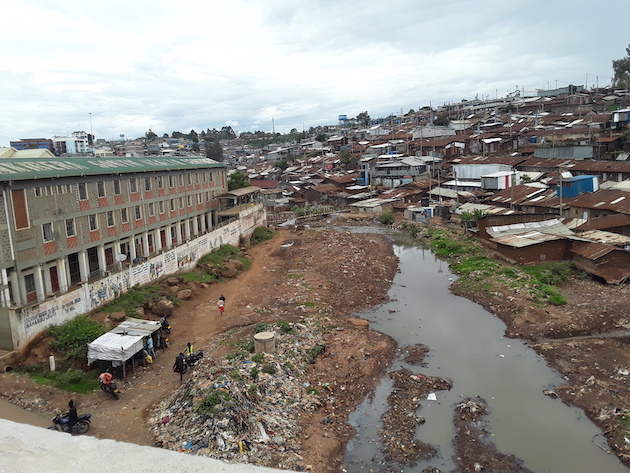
105 378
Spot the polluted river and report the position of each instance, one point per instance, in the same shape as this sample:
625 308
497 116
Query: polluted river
466 344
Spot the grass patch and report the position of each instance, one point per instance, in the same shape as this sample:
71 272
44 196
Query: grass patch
71 380
214 402
199 277
134 298
295 276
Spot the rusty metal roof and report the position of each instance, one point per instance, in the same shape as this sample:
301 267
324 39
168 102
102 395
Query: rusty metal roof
606 237
592 250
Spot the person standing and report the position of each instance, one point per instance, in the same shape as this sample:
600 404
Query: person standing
180 366
150 348
221 305
72 415
189 349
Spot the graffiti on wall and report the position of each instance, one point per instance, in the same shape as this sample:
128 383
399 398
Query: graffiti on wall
108 288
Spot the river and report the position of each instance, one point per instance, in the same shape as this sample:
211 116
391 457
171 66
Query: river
466 344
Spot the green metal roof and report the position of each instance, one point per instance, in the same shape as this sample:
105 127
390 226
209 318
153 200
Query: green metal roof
14 169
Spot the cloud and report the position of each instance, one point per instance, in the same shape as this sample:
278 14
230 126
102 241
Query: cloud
260 64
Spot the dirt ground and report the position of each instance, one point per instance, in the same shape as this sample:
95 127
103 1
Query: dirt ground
346 272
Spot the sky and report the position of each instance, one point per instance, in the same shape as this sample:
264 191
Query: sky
123 67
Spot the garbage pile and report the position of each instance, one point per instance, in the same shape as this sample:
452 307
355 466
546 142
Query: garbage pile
246 407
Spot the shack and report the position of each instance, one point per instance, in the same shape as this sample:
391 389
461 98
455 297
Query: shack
123 342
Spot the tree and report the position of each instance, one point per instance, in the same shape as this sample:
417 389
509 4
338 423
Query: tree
212 149
363 119
621 69
282 164
150 136
441 121
237 180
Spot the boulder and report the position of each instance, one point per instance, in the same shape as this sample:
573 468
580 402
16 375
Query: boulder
140 312
162 307
359 322
119 316
184 295
174 289
172 281
228 271
235 263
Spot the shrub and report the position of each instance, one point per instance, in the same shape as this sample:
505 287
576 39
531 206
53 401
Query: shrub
269 369
254 372
386 218
261 234
211 404
258 357
260 327
71 337
285 327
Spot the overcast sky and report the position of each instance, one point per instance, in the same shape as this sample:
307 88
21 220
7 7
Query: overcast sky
124 67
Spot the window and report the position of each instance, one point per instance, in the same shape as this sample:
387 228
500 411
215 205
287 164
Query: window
189 179
100 188
133 185
147 183
138 212
70 227
172 205
161 206
171 181
124 218
110 219
181 179
197 178
49 190
60 189
199 198
38 192
29 283
82 191
151 209
160 182
93 222
47 232
189 200
181 202
116 187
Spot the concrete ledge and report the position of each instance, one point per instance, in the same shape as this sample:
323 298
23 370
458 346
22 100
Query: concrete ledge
29 449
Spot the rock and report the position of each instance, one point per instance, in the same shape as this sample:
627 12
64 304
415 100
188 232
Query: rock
228 271
174 289
162 307
172 281
119 316
359 322
184 295
236 263
140 312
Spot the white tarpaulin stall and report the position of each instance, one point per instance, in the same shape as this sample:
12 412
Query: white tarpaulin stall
121 343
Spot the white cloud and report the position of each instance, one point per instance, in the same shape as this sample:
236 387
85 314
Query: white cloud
262 63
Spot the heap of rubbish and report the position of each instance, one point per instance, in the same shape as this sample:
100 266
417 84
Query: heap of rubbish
246 407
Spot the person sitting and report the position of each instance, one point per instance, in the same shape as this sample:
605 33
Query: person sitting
72 415
105 378
189 349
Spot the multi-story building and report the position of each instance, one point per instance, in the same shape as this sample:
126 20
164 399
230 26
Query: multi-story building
33 143
68 222
79 142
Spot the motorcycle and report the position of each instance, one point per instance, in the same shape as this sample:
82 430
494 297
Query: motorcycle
111 389
162 340
81 426
191 360
165 325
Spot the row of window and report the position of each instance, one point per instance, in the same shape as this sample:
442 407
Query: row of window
50 190
147 183
136 211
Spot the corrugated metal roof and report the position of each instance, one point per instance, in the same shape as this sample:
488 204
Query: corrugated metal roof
591 250
606 237
14 169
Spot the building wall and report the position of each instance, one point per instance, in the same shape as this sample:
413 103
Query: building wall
536 254
27 322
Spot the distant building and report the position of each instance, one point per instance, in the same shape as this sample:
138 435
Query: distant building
33 143
78 143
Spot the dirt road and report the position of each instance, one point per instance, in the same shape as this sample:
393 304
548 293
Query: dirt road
341 273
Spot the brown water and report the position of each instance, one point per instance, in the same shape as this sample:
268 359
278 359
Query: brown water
14 413
467 345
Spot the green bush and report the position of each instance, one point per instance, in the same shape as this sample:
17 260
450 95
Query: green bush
130 301
260 327
285 327
213 402
269 369
258 358
261 234
387 217
72 337
254 372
